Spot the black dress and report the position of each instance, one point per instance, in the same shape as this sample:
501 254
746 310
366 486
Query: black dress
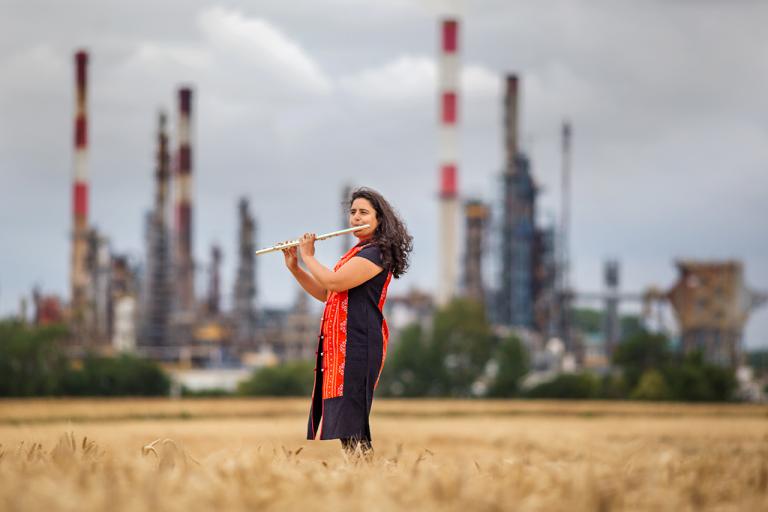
351 351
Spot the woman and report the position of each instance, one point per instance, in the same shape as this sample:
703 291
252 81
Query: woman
352 343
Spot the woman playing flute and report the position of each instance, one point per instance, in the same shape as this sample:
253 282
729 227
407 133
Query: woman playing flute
352 342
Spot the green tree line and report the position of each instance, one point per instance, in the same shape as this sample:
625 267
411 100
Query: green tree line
459 356
32 363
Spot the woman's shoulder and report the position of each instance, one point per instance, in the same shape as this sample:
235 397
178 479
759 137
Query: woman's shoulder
371 252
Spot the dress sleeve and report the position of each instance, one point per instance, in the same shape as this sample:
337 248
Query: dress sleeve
371 253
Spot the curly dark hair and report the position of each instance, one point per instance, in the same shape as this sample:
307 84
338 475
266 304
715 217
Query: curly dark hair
391 235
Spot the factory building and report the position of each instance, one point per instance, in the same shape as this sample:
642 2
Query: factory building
515 296
476 215
157 297
244 314
545 281
712 304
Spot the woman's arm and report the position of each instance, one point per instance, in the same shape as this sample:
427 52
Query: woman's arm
305 280
354 273
309 283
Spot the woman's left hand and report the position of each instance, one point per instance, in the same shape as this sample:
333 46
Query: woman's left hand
307 245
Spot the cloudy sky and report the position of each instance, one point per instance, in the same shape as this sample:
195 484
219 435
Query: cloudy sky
294 99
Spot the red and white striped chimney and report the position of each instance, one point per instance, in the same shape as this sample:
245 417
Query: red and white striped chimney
185 277
78 269
448 90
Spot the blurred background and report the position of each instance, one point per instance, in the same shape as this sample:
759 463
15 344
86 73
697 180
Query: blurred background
584 182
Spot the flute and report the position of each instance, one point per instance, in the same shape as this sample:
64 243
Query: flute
294 243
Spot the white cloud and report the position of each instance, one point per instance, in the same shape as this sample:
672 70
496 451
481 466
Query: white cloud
151 57
262 48
414 78
403 79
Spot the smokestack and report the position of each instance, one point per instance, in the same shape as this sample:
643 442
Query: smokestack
79 278
185 277
565 302
214 294
511 99
162 171
611 321
565 190
448 85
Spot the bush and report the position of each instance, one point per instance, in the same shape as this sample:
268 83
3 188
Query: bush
652 386
569 386
697 381
613 387
116 376
288 379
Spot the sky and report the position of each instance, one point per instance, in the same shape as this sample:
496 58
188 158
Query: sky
295 99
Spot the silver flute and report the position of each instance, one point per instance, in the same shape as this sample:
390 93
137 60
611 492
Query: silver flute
294 243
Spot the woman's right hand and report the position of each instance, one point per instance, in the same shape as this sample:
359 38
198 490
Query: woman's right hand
291 257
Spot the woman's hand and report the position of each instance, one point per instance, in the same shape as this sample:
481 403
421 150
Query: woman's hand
291 259
307 245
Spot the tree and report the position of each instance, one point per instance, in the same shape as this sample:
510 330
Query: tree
588 320
31 362
411 367
697 381
288 379
461 341
644 351
126 375
511 360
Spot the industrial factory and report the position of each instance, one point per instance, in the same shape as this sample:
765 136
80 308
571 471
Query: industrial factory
152 308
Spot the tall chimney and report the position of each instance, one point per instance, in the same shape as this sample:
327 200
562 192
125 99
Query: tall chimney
79 278
214 286
565 294
448 85
511 119
565 215
162 171
185 276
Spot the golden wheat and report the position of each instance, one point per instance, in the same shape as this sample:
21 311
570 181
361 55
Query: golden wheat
429 455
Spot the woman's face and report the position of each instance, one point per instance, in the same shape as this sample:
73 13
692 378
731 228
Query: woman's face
362 212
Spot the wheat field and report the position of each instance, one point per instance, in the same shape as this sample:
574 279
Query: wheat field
195 455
